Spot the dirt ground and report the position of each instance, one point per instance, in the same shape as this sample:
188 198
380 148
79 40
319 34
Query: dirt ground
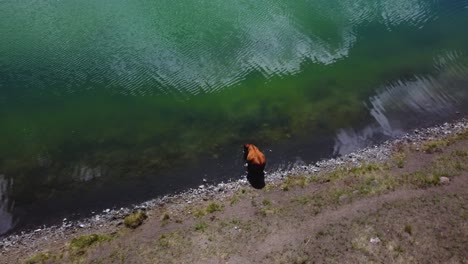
410 209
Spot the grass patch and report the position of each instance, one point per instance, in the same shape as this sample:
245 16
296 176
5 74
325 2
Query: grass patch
39 258
296 180
235 199
199 212
135 220
437 145
268 211
448 166
201 226
459 153
173 240
420 179
399 159
165 218
79 245
214 207
434 146
163 241
268 187
266 202
366 168
408 229
301 200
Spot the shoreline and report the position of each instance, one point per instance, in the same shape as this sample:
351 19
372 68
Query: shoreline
110 219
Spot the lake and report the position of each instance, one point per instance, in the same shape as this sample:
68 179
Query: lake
108 103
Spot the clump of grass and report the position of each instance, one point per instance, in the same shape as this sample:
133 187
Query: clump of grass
301 199
171 240
459 153
448 167
399 249
437 145
268 187
165 219
268 210
235 199
78 245
434 146
366 168
201 226
400 159
421 179
284 187
135 220
163 241
408 229
266 202
301 260
39 258
199 212
296 180
214 207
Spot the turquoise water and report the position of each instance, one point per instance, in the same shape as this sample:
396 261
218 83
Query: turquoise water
106 103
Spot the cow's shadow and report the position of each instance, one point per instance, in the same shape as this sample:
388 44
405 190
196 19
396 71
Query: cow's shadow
256 177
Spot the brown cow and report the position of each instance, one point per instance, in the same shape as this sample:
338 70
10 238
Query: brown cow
256 162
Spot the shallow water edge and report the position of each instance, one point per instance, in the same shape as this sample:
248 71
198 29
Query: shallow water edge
111 217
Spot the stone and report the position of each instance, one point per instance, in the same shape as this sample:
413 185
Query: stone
374 240
343 198
444 180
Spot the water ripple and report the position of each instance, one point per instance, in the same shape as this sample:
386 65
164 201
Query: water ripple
190 46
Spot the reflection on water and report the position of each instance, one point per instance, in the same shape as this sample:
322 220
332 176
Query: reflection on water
6 207
105 103
405 103
85 173
191 46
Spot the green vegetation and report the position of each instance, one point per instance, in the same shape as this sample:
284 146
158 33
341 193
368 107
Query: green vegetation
437 145
268 210
214 207
293 181
400 159
163 241
201 226
434 146
301 200
165 218
85 241
408 229
266 202
135 220
460 153
39 258
268 187
235 199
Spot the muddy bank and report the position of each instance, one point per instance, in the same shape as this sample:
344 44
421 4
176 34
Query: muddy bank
109 220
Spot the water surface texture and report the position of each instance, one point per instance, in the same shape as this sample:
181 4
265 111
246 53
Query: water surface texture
105 103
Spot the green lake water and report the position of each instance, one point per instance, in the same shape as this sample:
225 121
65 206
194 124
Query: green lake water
106 103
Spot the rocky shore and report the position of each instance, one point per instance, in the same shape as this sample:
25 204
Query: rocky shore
109 219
